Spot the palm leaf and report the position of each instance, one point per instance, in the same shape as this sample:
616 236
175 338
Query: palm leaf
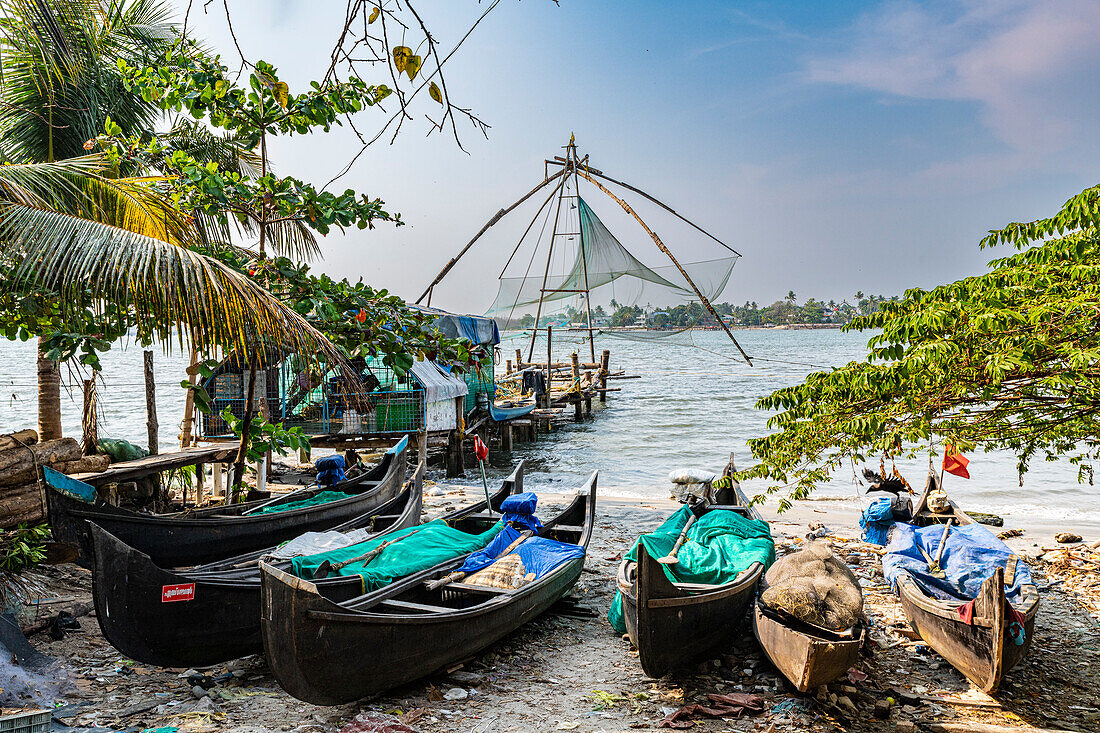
164 283
75 187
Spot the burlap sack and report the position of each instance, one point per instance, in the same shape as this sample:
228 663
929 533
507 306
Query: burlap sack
815 586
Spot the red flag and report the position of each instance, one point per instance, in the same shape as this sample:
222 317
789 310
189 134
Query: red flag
956 463
480 449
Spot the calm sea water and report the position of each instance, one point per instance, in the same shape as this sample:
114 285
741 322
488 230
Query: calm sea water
692 406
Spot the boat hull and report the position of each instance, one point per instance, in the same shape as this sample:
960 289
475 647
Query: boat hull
328 654
212 534
324 656
673 628
215 619
984 650
805 659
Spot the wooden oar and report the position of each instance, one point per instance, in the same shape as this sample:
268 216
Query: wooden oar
326 567
457 576
934 566
670 558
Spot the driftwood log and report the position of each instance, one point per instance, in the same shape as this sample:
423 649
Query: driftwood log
21 496
17 439
86 464
20 465
24 503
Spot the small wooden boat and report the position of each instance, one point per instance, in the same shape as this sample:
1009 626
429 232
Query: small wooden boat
676 624
988 647
807 655
328 650
205 535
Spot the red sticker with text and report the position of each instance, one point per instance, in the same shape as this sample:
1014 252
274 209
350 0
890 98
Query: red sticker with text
172 593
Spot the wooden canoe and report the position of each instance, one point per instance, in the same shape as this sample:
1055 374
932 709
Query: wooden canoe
206 535
987 648
219 616
327 652
806 655
676 624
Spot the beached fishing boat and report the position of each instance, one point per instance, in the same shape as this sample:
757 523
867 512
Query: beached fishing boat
204 535
983 635
674 623
211 613
807 655
329 650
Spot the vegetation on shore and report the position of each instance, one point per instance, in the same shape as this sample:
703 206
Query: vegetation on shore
689 315
1009 359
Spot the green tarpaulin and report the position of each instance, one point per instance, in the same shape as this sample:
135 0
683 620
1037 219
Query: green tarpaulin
426 546
323 497
719 545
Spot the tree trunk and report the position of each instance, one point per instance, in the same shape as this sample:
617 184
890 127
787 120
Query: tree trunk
49 395
246 430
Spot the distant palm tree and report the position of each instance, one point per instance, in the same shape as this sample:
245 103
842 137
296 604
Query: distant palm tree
791 297
859 295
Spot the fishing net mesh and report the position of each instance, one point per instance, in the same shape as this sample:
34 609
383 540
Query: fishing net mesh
814 586
601 261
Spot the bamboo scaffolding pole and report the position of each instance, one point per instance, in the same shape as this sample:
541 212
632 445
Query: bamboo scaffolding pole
661 246
496 217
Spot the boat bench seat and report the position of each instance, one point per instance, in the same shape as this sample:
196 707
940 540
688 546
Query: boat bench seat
396 605
480 589
565 528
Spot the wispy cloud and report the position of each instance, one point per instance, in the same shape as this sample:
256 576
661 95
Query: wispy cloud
1030 65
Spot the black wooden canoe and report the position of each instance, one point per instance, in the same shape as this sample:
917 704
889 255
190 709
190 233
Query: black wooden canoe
674 625
985 649
205 535
329 651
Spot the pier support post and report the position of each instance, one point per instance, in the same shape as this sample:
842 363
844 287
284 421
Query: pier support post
605 363
421 445
506 437
455 461
519 360
549 364
151 405
578 413
88 423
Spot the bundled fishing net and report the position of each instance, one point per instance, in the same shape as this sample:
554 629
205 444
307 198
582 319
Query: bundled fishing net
507 572
815 586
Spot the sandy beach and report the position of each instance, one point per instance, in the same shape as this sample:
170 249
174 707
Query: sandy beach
568 670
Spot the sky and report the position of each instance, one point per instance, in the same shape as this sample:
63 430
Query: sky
837 146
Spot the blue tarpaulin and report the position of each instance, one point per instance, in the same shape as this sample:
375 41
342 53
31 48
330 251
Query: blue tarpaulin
330 470
970 557
539 554
876 520
519 515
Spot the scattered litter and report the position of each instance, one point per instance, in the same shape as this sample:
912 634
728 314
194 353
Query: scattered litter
722 706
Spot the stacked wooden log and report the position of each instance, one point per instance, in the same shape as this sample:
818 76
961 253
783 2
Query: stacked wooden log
21 458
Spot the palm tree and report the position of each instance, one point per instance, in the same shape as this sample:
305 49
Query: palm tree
791 297
69 224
